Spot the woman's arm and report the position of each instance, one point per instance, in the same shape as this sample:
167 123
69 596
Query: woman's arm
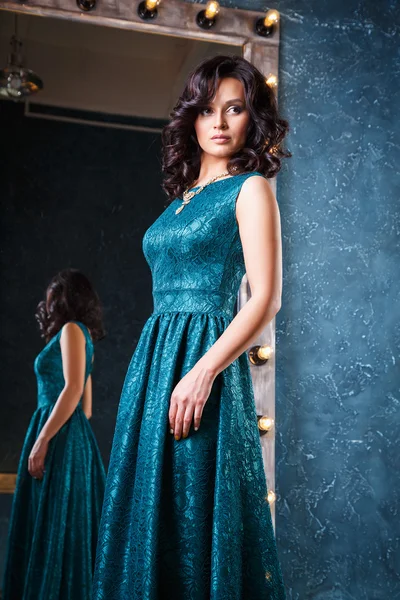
260 233
72 342
87 398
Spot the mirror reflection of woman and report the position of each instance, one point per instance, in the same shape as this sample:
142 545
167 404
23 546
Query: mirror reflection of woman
60 483
186 515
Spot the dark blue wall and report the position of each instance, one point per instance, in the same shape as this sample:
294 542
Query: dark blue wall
74 196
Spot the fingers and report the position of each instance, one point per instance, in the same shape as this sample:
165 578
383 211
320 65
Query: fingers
178 425
198 411
181 415
187 420
171 416
36 468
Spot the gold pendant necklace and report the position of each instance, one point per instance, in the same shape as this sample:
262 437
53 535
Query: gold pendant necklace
187 196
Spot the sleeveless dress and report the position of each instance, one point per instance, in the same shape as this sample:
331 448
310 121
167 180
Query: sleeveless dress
188 519
54 521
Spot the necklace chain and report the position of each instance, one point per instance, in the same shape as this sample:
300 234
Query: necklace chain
187 196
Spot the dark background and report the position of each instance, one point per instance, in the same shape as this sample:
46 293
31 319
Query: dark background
74 196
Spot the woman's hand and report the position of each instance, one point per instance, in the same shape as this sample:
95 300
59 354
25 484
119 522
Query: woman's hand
188 400
37 458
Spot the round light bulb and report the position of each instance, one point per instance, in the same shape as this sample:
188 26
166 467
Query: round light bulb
271 497
152 4
212 9
265 352
271 18
265 423
272 80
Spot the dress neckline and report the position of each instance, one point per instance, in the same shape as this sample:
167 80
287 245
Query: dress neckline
214 182
226 178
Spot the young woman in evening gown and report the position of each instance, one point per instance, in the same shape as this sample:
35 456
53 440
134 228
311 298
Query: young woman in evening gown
185 515
61 478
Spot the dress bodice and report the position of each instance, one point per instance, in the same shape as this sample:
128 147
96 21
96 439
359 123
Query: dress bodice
49 371
196 256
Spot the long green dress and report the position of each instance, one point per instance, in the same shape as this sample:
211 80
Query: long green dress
188 519
54 521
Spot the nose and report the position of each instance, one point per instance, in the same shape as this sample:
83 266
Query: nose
220 122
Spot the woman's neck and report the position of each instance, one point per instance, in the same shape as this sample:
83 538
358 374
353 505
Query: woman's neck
210 169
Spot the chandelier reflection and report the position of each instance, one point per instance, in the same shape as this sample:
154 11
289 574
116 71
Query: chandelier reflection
16 81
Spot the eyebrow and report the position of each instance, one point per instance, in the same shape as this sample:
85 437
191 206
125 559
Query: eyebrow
233 100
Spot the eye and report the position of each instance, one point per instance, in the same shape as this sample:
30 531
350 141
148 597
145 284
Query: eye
237 109
203 110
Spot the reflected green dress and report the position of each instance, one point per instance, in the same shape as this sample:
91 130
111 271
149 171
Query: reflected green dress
188 519
54 521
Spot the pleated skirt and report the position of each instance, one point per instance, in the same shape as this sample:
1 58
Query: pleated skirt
54 522
186 519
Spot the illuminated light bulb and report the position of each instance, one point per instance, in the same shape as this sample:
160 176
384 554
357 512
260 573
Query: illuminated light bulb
271 497
265 26
274 149
271 18
265 352
258 355
265 423
212 9
272 80
148 9
208 17
151 4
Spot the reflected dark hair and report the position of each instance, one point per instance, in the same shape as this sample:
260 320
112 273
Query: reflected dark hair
262 152
70 297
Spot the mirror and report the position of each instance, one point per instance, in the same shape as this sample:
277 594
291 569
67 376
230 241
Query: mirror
82 183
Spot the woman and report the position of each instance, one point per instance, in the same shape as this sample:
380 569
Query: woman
185 515
60 483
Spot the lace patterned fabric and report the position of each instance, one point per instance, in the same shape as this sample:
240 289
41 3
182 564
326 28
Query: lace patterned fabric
54 521
188 519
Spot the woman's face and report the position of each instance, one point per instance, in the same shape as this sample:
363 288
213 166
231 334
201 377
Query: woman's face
226 116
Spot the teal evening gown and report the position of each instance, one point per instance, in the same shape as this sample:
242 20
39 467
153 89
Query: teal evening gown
54 521
188 519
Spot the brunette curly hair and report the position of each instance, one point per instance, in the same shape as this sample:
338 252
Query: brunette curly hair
70 297
181 152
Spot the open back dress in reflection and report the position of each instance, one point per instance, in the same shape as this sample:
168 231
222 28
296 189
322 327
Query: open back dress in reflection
54 521
188 519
